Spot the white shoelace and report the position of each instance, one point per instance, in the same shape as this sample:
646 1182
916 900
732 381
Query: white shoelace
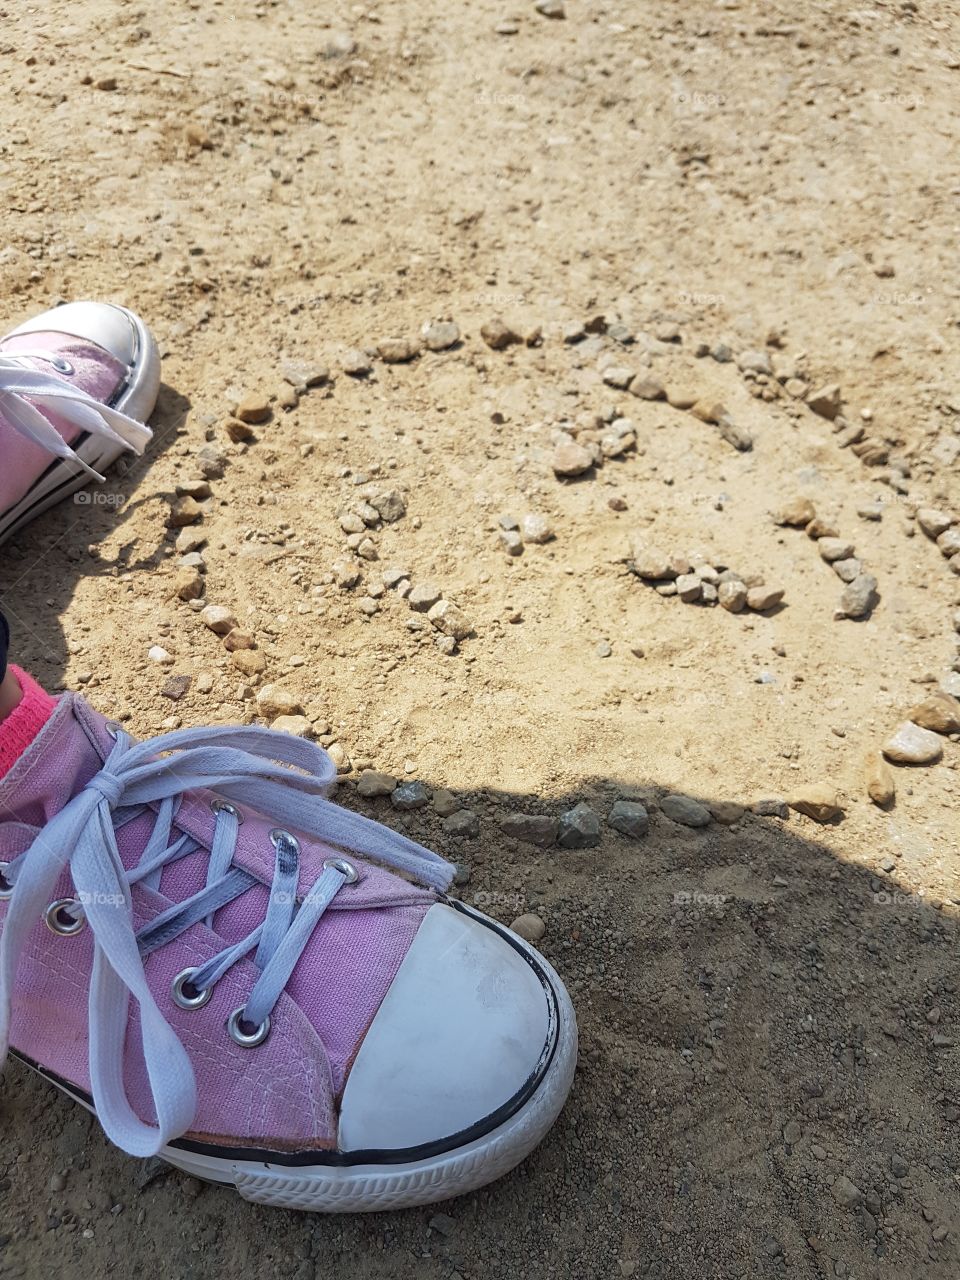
240 764
25 390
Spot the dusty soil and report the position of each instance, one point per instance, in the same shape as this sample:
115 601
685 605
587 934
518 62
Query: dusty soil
766 1011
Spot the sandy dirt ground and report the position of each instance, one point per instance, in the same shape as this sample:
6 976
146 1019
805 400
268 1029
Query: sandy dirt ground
744 204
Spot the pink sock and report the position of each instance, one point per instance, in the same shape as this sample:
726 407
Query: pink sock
25 721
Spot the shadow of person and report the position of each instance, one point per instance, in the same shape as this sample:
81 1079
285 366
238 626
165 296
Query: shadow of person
765 1084
39 569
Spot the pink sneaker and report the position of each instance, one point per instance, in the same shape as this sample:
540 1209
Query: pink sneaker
76 385
305 1025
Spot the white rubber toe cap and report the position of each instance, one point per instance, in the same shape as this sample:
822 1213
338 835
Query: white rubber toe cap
466 1027
110 327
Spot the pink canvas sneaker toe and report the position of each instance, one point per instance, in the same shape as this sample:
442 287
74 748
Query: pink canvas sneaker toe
77 383
315 1029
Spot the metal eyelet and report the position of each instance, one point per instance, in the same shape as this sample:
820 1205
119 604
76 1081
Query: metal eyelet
347 869
244 1039
6 884
60 917
278 834
61 365
180 989
224 806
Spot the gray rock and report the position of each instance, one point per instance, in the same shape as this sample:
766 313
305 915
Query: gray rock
732 596
738 436
440 335
913 745
463 823
579 828
355 362
689 587
424 596
497 334
389 505
551 8
834 549
650 561
846 1194
398 350
688 812
511 542
858 597
825 401
571 459
762 598
453 622
754 362
933 522
617 376
372 782
536 528
647 388
410 795
531 828
630 817
304 373
529 927
770 808
847 569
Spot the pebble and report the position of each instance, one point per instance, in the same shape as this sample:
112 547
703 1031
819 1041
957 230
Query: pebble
732 596
238 639
536 528
630 817
618 376
647 388
445 802
374 783
773 807
738 436
189 540
825 401
879 780
273 700
651 562
218 618
194 488
157 653
252 408
726 812
551 8
239 432
175 687
183 511
579 828
463 823
529 927
912 745
204 682
686 811
858 597
338 755
949 542
511 542
834 549
796 514
571 459
846 1193
817 800
689 587
939 713
440 335
762 598
708 410
355 362
680 398
754 362
870 511
398 350
847 570
792 1133
410 795
192 560
820 528
453 622
298 726
304 373
424 596
250 662
933 522
531 828
188 583
497 334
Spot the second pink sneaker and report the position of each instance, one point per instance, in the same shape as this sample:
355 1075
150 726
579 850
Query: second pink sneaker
210 954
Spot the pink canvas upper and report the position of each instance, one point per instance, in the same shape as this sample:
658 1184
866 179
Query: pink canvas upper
95 371
282 1094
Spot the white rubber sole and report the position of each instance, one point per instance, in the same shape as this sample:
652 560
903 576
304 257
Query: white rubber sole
63 479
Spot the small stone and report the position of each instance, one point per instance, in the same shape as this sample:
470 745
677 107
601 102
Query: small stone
511 542
762 598
792 1133
681 398
529 927
817 800
738 436
497 334
440 335
188 583
870 511
825 401
273 700
820 528
949 542
571 459
846 1193
726 812
367 605
175 687
933 522
913 745
579 828
445 802
446 617
288 398
389 505
250 662
218 618
239 432
183 511
367 549
754 362
301 374
193 560
536 529
630 817
190 540
773 807
194 488
797 513
834 549
682 809
398 350
443 1224
732 596
879 780
374 783
651 562
464 823
410 795
204 682
939 713
424 596
551 9
858 597
531 828
252 408
618 376
355 362
847 570
237 638
298 726
647 388
689 587
338 755
709 410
